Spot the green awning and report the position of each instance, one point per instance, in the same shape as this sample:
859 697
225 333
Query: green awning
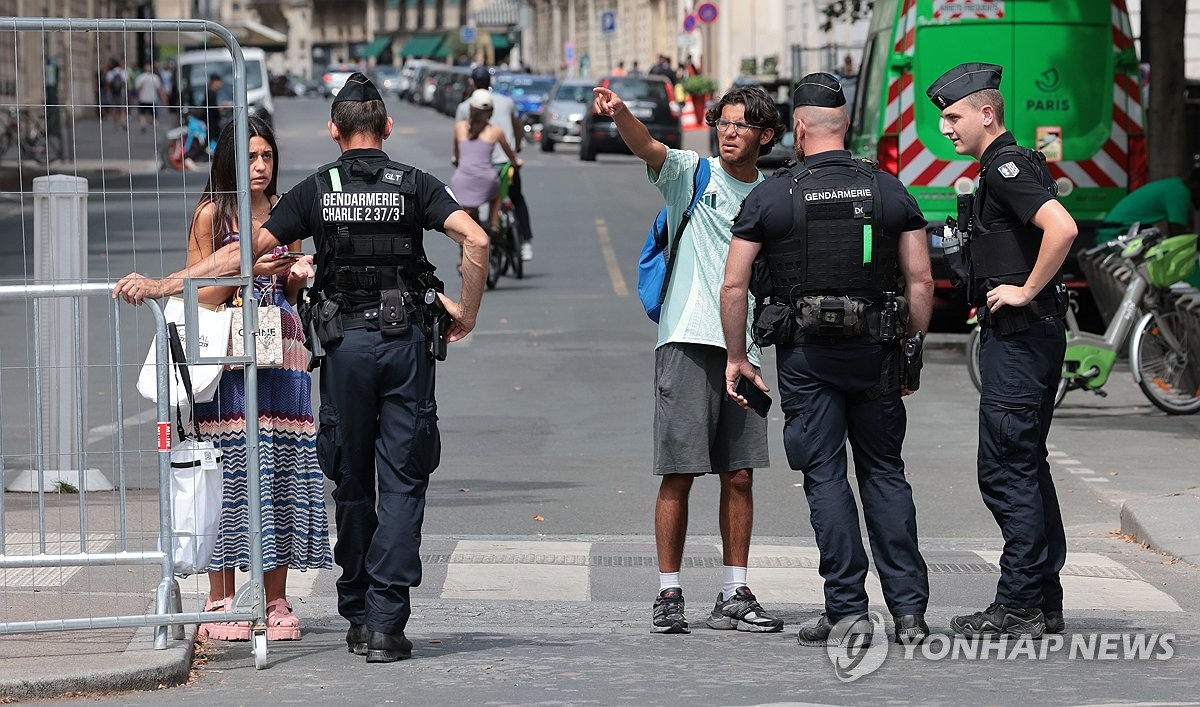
422 46
444 50
500 41
376 47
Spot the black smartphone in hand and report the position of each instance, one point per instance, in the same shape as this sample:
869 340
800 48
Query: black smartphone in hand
759 401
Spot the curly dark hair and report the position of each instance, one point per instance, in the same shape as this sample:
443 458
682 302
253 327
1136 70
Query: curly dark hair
760 111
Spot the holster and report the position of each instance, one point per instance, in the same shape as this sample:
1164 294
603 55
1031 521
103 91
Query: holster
328 324
307 311
914 347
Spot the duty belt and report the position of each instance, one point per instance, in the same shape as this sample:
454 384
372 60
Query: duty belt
358 320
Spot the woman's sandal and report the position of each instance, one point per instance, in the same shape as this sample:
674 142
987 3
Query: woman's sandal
224 630
282 624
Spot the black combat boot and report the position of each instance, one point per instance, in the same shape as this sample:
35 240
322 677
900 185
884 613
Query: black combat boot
387 647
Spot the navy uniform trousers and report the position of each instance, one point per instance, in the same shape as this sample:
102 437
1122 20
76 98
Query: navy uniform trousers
378 414
1020 375
822 389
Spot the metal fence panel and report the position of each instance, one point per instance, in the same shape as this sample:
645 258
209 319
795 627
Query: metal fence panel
82 202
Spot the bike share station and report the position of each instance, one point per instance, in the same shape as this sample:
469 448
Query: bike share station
91 525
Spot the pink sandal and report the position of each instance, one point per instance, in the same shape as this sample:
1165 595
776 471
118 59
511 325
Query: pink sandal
282 624
224 630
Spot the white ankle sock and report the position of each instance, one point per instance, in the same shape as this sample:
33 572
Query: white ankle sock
734 577
666 580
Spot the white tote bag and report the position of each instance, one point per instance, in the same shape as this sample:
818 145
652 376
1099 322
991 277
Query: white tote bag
196 482
196 492
213 324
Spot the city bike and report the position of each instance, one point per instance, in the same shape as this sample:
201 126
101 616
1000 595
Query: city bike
504 252
28 132
1164 365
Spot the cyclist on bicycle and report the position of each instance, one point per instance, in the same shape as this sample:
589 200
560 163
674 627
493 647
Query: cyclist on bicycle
504 116
475 180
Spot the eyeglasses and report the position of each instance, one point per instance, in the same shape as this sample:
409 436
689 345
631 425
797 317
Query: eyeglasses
737 125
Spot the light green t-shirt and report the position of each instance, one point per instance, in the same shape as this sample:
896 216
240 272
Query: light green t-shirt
691 312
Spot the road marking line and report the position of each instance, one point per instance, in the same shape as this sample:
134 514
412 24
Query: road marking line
1093 581
610 259
1068 462
1081 471
1056 454
1095 479
800 585
475 571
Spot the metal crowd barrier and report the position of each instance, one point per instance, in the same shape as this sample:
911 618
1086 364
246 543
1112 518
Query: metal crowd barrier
77 533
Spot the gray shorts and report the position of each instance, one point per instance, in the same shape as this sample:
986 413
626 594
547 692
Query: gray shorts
697 428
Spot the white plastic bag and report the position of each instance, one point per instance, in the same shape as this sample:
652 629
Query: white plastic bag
213 324
196 487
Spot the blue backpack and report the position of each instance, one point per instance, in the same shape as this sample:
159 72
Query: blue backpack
654 266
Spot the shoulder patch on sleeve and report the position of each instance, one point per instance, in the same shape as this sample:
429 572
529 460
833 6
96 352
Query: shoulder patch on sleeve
1008 170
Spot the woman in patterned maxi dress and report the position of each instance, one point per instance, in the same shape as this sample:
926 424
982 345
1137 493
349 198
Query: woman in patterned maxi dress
295 528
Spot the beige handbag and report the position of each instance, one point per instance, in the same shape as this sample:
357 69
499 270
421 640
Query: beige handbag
268 349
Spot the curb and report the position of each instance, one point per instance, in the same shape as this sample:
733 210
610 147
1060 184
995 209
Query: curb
139 667
1169 524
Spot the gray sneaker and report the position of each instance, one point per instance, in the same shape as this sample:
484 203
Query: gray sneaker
668 612
742 612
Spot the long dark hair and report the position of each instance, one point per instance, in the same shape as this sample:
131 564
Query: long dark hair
221 188
477 121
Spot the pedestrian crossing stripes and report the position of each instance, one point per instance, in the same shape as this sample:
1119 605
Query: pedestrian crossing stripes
487 569
27 544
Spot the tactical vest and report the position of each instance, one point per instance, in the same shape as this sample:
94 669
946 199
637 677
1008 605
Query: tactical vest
1005 252
835 246
371 227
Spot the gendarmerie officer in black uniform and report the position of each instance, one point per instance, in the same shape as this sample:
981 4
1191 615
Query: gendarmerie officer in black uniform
376 309
377 316
850 294
1019 235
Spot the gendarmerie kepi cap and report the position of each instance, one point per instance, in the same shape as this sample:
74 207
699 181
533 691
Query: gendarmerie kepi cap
963 80
820 89
358 88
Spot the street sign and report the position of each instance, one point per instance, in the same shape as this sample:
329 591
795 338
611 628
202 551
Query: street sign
608 22
467 34
689 23
569 53
707 13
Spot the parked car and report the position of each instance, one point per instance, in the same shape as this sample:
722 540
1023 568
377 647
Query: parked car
334 77
563 115
453 87
387 79
529 92
409 78
649 99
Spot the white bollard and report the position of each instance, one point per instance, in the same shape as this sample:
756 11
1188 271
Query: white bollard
60 257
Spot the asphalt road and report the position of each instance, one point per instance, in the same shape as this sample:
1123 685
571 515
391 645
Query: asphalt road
546 411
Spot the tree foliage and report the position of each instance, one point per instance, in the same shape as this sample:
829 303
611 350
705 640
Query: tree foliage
844 11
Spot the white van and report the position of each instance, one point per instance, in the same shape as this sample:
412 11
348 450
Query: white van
194 69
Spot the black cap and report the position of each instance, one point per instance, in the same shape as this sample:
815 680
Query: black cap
820 89
358 88
481 76
963 80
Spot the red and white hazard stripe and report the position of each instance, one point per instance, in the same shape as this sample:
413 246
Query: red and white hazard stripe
919 167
